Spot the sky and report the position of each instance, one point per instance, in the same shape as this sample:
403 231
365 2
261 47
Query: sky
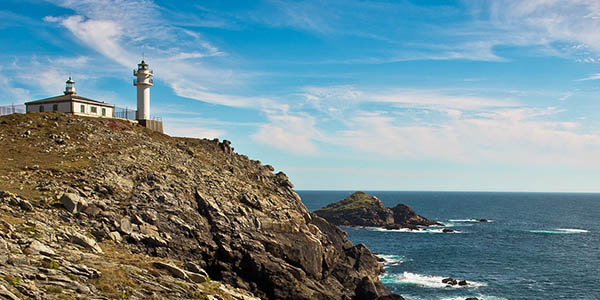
498 95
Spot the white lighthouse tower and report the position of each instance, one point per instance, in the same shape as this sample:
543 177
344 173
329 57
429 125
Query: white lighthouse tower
143 81
70 88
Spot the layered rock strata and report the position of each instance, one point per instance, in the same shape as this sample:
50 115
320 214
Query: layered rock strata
148 216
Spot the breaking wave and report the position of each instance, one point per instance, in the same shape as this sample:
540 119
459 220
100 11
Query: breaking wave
559 231
426 230
428 281
391 260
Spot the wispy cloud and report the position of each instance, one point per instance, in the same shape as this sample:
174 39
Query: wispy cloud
506 136
118 29
291 133
591 77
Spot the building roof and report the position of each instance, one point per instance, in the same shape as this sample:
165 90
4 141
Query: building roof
69 98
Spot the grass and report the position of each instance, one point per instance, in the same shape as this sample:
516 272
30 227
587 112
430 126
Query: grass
54 290
11 220
354 201
14 281
50 264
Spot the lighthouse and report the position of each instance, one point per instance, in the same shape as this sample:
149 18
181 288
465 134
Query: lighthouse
70 88
143 80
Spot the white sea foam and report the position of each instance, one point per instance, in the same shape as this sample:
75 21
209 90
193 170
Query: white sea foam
560 231
480 296
572 230
437 229
429 281
470 221
391 260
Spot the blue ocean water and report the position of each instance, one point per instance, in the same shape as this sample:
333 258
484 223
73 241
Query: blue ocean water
538 246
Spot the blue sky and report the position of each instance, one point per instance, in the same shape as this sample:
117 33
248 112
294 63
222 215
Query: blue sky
496 95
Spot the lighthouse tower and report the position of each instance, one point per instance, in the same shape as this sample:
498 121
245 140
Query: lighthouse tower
143 81
70 88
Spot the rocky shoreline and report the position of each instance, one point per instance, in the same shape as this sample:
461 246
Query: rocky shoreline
103 209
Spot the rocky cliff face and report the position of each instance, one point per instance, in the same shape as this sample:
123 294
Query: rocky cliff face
362 209
105 208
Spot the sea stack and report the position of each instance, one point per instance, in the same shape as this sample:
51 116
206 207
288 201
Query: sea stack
362 209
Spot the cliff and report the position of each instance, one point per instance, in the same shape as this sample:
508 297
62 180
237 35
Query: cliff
94 208
362 209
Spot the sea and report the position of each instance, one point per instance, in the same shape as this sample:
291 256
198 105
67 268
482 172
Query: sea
535 245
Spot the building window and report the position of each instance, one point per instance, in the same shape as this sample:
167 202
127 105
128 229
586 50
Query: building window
55 107
93 109
41 108
82 108
104 111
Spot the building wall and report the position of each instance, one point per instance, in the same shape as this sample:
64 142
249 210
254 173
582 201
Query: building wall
65 107
62 107
88 110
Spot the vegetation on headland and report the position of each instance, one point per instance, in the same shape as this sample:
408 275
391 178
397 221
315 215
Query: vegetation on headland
125 212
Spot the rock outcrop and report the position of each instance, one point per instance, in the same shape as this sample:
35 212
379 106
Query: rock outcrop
104 208
362 209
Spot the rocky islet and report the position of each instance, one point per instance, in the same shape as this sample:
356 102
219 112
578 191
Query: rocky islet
362 209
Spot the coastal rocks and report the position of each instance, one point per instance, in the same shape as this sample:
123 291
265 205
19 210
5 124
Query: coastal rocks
361 209
358 209
7 294
196 277
37 247
85 241
175 271
446 230
406 216
151 197
452 282
73 203
16 201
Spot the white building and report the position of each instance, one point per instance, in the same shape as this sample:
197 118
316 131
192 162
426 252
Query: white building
72 103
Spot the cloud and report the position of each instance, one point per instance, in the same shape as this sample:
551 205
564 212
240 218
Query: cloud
292 133
548 22
507 136
115 28
101 35
591 77
193 131
12 94
347 96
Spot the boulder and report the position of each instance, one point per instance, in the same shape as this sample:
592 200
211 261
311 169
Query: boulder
174 270
197 278
125 226
73 202
446 230
38 247
25 205
86 242
115 236
192 267
449 281
463 283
